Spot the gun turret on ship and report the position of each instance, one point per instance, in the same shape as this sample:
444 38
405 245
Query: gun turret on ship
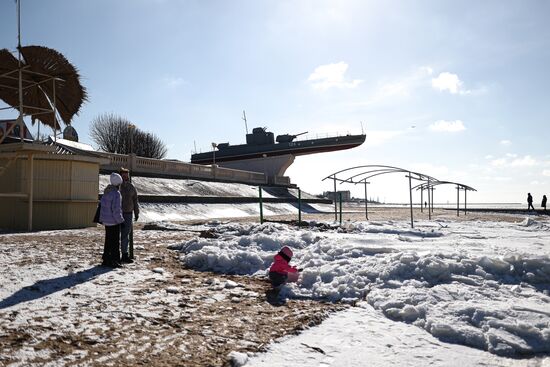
287 138
262 154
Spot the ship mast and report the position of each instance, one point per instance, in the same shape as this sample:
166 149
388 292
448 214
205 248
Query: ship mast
244 118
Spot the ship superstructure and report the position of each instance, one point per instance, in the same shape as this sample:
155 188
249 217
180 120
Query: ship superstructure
272 156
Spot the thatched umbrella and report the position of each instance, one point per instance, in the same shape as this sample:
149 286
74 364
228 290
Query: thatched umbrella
43 68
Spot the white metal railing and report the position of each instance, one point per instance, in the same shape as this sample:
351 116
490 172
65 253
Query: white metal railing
321 135
141 165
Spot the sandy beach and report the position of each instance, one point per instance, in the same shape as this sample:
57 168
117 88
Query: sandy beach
58 307
357 213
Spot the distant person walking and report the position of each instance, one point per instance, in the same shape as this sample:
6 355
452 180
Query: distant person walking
110 216
130 206
543 204
530 202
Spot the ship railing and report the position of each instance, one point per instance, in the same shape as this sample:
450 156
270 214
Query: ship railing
321 135
165 168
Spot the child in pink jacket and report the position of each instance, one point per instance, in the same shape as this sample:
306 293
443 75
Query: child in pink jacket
281 272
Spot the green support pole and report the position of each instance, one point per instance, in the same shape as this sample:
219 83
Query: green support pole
299 207
421 199
131 237
430 197
465 192
340 195
335 203
458 201
366 202
411 199
433 200
261 206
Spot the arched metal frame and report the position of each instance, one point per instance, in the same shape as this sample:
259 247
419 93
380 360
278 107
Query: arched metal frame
373 171
428 183
459 186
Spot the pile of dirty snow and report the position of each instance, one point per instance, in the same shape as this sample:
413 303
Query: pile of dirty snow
481 284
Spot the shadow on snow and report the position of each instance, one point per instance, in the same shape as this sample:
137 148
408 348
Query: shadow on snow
43 288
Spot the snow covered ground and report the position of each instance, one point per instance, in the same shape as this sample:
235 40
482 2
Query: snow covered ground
184 187
360 336
453 291
458 293
184 212
58 307
190 187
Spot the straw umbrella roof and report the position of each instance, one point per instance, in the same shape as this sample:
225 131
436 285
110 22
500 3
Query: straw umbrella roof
41 67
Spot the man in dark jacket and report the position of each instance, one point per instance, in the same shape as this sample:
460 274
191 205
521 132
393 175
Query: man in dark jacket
130 206
530 202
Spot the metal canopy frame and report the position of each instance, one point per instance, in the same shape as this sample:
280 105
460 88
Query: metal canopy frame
370 171
427 183
459 186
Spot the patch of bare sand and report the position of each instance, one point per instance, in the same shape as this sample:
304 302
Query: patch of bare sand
177 317
402 214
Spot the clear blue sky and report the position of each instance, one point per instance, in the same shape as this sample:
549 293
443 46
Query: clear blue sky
457 90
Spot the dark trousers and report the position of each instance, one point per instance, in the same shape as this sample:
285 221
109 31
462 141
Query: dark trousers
277 279
125 232
111 249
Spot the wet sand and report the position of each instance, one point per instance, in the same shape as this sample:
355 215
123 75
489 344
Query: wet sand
355 214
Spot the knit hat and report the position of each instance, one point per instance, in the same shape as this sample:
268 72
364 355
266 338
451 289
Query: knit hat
286 253
115 179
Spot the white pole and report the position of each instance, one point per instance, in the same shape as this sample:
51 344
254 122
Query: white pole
54 115
20 72
31 187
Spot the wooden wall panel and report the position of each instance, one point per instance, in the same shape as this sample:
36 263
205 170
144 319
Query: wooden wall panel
65 194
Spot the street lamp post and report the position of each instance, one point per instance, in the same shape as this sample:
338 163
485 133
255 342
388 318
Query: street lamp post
214 145
264 156
131 128
130 167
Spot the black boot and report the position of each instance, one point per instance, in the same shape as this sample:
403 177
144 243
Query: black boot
106 263
126 259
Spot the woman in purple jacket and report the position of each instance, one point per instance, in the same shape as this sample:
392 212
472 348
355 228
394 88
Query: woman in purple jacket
111 217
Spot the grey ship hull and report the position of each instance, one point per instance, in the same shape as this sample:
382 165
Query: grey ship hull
293 148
